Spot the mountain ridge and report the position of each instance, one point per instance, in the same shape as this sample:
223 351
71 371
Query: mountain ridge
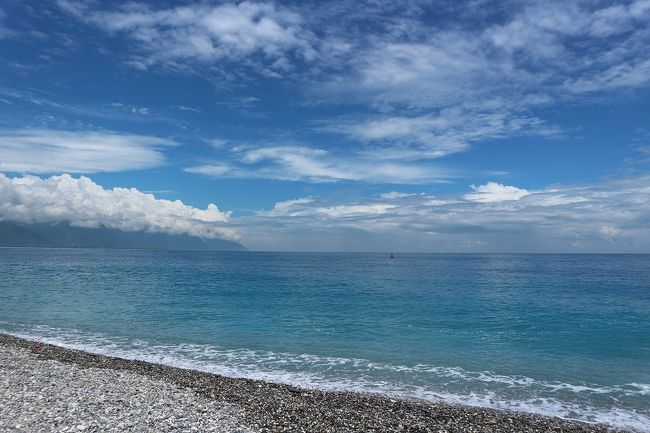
63 235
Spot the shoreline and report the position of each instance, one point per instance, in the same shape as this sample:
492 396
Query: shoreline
272 407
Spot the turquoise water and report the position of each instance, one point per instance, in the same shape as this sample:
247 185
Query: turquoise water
565 335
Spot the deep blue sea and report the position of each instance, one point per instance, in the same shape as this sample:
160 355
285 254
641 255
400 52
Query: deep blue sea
565 335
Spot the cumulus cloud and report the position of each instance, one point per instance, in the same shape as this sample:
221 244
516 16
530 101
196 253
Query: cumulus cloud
55 151
493 192
83 203
607 216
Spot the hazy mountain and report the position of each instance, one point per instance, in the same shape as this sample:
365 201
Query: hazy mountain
64 236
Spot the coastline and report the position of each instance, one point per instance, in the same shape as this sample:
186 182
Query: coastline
272 407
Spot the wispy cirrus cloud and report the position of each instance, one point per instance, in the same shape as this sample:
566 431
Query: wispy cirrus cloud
9 31
56 151
83 203
55 111
420 89
392 195
304 207
630 74
449 131
532 51
206 34
383 55
288 207
491 75
5 31
307 164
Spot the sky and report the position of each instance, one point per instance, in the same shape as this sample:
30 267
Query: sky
423 126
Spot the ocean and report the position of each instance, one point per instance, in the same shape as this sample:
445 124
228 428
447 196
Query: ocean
557 334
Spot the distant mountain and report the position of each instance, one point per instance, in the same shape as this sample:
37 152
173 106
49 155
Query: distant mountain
65 236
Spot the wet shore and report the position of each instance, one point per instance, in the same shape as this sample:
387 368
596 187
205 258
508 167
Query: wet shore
199 401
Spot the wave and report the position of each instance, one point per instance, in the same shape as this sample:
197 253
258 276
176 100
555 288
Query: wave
613 405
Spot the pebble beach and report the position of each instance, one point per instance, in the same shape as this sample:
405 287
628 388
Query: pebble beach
46 395
45 388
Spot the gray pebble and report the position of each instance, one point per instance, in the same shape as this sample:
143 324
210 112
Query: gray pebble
97 399
110 394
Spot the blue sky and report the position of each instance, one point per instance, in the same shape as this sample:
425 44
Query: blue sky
344 125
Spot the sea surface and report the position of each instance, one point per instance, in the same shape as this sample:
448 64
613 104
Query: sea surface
565 335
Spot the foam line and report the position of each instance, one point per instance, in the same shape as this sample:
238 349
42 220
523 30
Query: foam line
483 389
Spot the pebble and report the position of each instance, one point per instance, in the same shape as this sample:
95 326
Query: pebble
101 400
110 394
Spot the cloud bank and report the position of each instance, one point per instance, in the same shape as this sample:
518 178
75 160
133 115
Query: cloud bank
83 203
609 216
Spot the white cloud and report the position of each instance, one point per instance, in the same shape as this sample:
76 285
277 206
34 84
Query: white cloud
290 208
430 73
188 108
427 89
354 210
206 33
493 192
5 32
215 170
405 61
489 78
299 163
55 151
630 74
610 231
83 203
608 216
132 109
287 206
76 8
452 130
392 195
308 206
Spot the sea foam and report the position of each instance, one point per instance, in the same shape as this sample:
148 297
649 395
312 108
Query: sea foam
349 374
